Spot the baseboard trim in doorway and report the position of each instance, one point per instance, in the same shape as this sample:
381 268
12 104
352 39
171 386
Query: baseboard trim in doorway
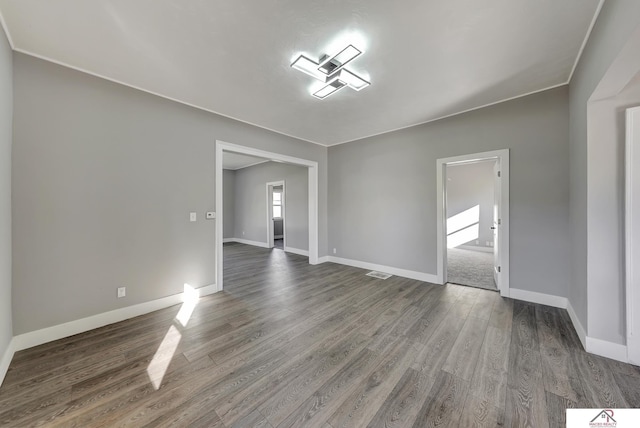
540 298
246 242
479 249
577 325
6 359
49 334
296 251
615 351
420 276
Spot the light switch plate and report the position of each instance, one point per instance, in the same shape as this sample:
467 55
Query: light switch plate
192 216
211 215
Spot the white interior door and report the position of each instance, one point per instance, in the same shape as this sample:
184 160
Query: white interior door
632 233
497 200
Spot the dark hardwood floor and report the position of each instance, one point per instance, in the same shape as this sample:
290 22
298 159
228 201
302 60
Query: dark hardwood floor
293 345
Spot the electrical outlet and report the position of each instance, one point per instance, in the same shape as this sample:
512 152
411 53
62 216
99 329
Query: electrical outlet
334 251
122 291
192 217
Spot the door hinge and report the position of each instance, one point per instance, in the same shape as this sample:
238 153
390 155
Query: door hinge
499 221
499 269
499 173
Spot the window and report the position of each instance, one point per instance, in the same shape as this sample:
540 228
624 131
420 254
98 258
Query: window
277 204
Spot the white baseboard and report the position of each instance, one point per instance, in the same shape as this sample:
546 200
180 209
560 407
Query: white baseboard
420 276
49 334
6 360
247 242
540 298
297 251
474 248
615 351
278 237
323 259
577 325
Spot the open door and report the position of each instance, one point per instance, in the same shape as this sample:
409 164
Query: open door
496 223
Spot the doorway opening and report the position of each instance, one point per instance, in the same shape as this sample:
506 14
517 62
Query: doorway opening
473 220
276 215
312 200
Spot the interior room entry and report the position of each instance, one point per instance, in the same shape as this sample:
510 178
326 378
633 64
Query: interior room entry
276 214
472 223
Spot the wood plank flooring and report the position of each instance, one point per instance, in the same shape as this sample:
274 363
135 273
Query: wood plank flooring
293 345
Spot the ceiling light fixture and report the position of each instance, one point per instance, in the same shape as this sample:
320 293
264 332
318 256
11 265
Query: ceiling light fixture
330 71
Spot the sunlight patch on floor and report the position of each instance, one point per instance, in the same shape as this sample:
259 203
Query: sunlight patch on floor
162 358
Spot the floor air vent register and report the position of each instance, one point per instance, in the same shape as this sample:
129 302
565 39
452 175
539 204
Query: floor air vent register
379 275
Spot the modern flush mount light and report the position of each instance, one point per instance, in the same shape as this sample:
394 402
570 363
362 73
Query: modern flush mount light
330 70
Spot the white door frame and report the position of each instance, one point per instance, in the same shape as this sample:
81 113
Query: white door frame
270 226
632 233
502 156
312 166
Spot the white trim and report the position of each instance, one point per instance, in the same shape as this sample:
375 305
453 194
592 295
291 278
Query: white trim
157 94
586 39
323 259
474 248
540 298
247 242
98 75
577 325
632 237
615 351
3 23
312 166
49 334
502 157
420 276
6 359
453 114
296 251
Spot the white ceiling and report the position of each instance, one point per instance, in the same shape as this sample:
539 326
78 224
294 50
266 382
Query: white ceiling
425 59
235 161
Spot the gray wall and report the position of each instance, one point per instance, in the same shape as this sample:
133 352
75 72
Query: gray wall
104 178
6 113
229 202
391 180
606 205
616 22
469 185
251 202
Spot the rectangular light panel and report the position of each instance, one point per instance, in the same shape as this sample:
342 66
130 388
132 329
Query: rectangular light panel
340 59
331 88
354 81
308 66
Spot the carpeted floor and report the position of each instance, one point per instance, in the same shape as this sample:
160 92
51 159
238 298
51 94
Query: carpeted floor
468 267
